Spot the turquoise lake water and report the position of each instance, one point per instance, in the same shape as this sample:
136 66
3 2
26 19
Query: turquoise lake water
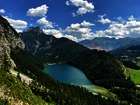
67 74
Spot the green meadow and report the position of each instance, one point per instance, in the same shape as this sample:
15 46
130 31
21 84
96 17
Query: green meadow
134 75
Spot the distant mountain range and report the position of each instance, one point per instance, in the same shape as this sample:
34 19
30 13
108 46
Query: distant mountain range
126 49
108 44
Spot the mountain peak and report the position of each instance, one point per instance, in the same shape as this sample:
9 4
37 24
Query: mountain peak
9 40
34 29
6 29
3 20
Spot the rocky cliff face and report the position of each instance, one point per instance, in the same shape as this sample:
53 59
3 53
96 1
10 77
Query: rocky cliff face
36 41
49 48
9 39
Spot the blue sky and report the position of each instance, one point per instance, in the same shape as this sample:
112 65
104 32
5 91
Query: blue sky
75 19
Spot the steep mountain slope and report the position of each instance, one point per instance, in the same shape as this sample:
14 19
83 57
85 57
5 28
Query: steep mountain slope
15 92
109 44
99 65
49 48
96 65
12 90
9 39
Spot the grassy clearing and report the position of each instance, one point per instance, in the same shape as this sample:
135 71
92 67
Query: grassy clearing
13 87
100 90
134 75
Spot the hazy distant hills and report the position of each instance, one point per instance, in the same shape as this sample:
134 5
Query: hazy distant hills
108 44
125 49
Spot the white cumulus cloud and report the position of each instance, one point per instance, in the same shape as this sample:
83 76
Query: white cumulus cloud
19 25
2 11
38 11
83 6
121 28
79 31
76 32
45 23
71 37
54 32
104 20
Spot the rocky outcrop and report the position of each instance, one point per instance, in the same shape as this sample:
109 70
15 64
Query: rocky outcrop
9 39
